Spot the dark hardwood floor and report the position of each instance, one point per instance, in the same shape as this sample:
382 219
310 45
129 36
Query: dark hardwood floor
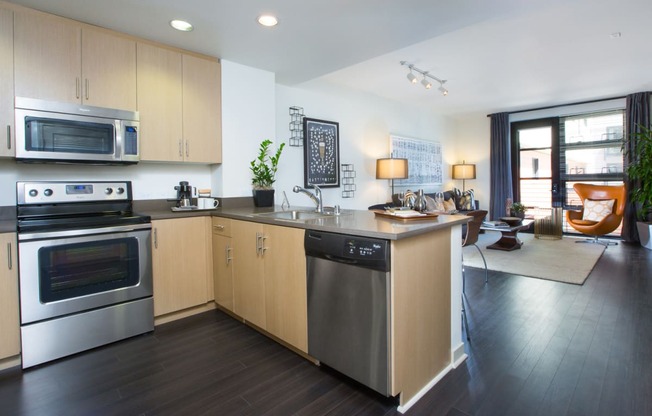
538 348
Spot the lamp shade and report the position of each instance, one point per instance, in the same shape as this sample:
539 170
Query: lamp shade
390 168
464 171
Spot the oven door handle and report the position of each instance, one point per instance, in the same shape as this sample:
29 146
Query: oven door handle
82 232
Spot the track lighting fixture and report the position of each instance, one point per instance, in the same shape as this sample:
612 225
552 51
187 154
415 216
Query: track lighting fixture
425 82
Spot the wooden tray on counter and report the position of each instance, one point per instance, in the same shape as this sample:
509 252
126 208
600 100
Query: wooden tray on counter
426 216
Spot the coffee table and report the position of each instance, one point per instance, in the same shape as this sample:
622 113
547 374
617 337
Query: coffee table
508 236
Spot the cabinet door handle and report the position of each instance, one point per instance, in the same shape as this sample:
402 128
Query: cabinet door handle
87 86
228 255
9 136
263 237
9 256
155 237
219 227
257 243
187 149
77 87
180 148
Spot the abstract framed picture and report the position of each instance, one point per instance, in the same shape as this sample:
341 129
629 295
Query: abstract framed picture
321 154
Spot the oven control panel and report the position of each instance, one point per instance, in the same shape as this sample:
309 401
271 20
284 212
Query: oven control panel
64 192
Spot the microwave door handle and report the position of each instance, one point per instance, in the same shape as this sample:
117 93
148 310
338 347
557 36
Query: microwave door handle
117 137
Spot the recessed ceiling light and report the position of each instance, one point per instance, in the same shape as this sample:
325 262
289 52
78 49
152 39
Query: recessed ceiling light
181 25
268 20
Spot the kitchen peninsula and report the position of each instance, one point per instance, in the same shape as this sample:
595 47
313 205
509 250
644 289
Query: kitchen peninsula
425 283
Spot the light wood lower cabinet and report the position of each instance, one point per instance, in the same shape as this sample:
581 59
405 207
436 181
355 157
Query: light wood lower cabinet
269 279
286 302
223 263
9 317
182 265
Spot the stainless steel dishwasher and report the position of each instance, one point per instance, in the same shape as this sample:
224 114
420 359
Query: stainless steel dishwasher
348 305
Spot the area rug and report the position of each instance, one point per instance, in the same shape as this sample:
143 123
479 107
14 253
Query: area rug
559 260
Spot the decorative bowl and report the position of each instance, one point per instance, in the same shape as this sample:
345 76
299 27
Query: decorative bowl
511 221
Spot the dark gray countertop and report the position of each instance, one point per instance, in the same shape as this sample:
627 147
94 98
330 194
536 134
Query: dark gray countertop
352 222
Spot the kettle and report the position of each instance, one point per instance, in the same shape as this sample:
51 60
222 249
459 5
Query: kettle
184 194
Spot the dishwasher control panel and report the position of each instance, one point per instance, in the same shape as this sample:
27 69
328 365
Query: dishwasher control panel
368 249
366 252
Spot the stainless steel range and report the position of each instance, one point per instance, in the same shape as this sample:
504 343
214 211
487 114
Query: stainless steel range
85 267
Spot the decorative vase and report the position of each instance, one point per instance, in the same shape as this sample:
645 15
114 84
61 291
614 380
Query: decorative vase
420 202
263 197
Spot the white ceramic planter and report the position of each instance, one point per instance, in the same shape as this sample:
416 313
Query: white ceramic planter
645 234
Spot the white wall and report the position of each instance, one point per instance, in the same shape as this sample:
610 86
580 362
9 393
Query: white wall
150 180
248 117
473 146
365 123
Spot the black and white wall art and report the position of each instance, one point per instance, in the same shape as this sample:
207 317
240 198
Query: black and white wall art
321 156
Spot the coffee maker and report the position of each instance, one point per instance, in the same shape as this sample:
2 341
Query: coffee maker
184 195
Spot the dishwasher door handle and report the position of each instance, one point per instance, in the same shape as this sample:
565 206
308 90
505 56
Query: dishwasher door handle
340 259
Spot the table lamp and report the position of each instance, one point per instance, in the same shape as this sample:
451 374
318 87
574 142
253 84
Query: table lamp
464 171
391 168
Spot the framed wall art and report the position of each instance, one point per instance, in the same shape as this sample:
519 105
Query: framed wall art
425 162
321 154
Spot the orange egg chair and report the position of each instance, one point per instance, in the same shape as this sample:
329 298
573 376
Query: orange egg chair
602 211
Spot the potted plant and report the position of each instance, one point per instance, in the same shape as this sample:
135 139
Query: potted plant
640 170
263 170
518 210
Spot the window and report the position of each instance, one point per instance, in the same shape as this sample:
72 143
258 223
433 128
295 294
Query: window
590 151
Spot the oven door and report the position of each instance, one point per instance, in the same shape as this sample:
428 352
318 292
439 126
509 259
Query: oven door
77 270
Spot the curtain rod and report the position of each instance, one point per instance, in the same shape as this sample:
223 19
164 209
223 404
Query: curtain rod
561 105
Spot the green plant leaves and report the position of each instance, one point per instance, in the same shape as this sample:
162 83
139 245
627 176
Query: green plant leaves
264 167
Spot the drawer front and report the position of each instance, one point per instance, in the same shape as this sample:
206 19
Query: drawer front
222 226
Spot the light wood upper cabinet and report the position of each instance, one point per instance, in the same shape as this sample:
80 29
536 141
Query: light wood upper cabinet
9 317
7 83
181 261
108 70
160 103
58 60
202 110
179 101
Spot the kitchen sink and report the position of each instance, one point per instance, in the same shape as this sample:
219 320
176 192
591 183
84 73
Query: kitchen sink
294 215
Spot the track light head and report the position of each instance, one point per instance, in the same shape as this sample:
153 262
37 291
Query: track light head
411 77
425 82
441 88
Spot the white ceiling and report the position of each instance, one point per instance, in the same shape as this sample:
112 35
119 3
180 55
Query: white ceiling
497 55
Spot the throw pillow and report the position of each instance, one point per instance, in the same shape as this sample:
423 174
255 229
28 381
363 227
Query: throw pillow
465 201
449 205
597 210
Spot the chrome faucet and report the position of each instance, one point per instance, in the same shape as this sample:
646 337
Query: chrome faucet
316 197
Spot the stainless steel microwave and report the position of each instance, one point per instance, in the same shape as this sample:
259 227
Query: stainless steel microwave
70 133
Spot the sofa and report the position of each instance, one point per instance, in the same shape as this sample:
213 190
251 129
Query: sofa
454 200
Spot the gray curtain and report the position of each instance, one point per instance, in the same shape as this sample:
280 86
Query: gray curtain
501 165
637 113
